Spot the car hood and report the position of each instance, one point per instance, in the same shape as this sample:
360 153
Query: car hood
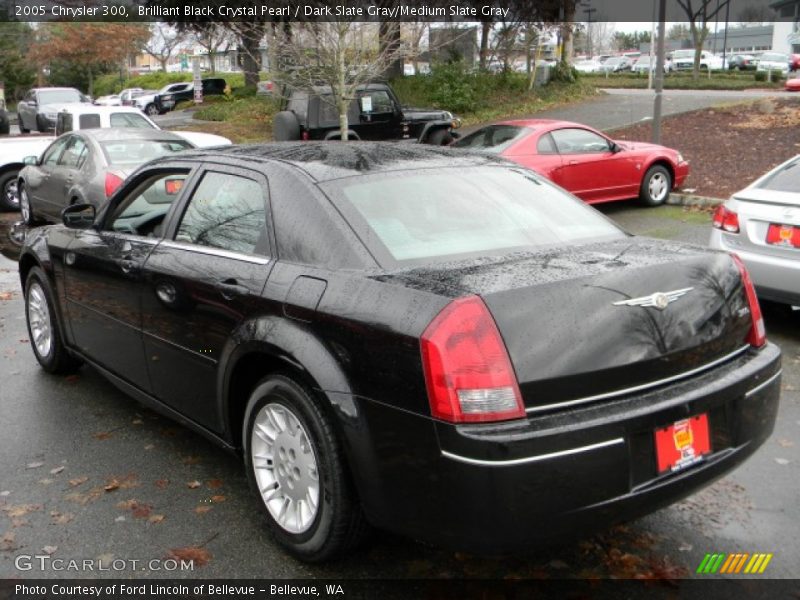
642 146
203 140
425 114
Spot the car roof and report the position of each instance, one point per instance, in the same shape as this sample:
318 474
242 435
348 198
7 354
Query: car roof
324 161
543 124
56 89
106 134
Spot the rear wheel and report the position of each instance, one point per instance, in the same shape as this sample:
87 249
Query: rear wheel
45 337
655 187
25 206
296 466
22 125
9 197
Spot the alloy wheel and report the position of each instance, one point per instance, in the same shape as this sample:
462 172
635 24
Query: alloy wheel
24 205
39 320
658 187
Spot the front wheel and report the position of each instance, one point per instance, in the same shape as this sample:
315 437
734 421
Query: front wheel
45 337
9 197
25 206
21 124
151 110
296 466
655 186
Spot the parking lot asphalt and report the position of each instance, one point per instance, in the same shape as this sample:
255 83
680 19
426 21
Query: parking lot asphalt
86 472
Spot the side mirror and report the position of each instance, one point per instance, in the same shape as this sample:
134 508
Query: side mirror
30 160
78 216
615 147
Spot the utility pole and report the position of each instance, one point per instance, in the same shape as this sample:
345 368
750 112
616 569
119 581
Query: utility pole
662 26
588 10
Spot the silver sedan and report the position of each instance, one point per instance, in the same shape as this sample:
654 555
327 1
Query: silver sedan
87 166
761 224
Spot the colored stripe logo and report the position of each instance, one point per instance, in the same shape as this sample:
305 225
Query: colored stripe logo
732 564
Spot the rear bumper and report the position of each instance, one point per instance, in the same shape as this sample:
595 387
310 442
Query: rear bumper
498 488
775 278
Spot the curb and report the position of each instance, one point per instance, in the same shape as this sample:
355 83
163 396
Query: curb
682 199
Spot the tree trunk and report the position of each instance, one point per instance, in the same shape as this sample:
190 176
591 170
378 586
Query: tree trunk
212 55
486 27
163 62
389 45
566 32
251 63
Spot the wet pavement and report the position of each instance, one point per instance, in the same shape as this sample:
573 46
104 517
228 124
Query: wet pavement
86 472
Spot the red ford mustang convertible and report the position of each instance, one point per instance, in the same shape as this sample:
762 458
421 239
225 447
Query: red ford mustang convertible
584 161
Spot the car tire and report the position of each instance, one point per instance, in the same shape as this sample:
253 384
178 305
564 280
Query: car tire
151 110
21 124
9 197
286 127
43 327
296 466
440 137
656 186
25 206
41 125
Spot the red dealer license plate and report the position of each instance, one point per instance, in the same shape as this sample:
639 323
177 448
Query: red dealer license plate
783 235
682 444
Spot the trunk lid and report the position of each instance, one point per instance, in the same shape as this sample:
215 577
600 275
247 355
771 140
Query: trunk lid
567 339
757 209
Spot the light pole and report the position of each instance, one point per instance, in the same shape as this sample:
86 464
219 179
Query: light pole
659 74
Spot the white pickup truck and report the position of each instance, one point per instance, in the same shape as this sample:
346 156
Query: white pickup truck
72 117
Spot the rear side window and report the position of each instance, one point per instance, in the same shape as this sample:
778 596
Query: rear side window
89 121
440 214
228 212
785 179
546 145
75 154
494 138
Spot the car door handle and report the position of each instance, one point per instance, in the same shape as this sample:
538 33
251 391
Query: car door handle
230 288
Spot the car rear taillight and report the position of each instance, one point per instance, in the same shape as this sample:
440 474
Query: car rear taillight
468 373
758 335
726 219
112 183
304 136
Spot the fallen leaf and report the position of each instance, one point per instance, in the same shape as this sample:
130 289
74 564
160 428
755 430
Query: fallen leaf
46 481
218 499
119 519
192 485
111 485
61 518
214 483
202 509
103 435
34 465
786 443
155 519
142 511
78 481
7 541
127 504
162 483
56 471
49 549
6 295
198 556
85 497
20 510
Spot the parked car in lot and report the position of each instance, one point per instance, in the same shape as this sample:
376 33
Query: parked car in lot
127 95
37 110
167 99
448 347
761 224
792 85
616 64
588 66
375 114
584 161
110 100
774 61
643 65
86 167
794 62
742 62
683 60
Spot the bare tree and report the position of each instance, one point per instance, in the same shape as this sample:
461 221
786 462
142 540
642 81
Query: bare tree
340 55
699 13
213 38
164 41
413 35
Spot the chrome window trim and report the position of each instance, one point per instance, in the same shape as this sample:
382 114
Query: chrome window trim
212 251
531 459
639 388
763 384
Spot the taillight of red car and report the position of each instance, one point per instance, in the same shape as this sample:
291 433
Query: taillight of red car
468 372
757 336
112 183
725 219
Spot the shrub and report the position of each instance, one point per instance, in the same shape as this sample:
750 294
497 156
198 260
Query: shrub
761 75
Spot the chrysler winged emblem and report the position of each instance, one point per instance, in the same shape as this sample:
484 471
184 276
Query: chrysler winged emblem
659 300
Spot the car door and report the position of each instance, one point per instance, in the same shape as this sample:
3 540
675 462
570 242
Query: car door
103 274
591 168
66 173
200 282
378 116
38 180
538 152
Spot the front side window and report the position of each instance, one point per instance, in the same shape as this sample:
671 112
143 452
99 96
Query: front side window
143 210
53 153
377 101
579 141
226 212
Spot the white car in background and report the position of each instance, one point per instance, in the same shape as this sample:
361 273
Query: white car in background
588 66
683 60
773 61
110 100
761 224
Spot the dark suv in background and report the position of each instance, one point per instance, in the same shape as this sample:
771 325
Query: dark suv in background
180 92
375 114
38 109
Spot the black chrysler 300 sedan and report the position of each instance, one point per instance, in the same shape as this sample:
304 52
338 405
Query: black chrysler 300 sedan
440 344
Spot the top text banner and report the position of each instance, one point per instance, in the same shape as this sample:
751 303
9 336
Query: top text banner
718 11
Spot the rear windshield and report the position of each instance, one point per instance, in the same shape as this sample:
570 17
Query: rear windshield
445 214
59 96
129 119
785 179
494 138
136 152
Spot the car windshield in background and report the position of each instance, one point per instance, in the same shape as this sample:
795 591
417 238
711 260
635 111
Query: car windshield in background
786 179
59 97
447 214
136 152
127 119
494 138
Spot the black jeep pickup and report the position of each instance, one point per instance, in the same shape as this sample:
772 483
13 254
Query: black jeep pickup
375 114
